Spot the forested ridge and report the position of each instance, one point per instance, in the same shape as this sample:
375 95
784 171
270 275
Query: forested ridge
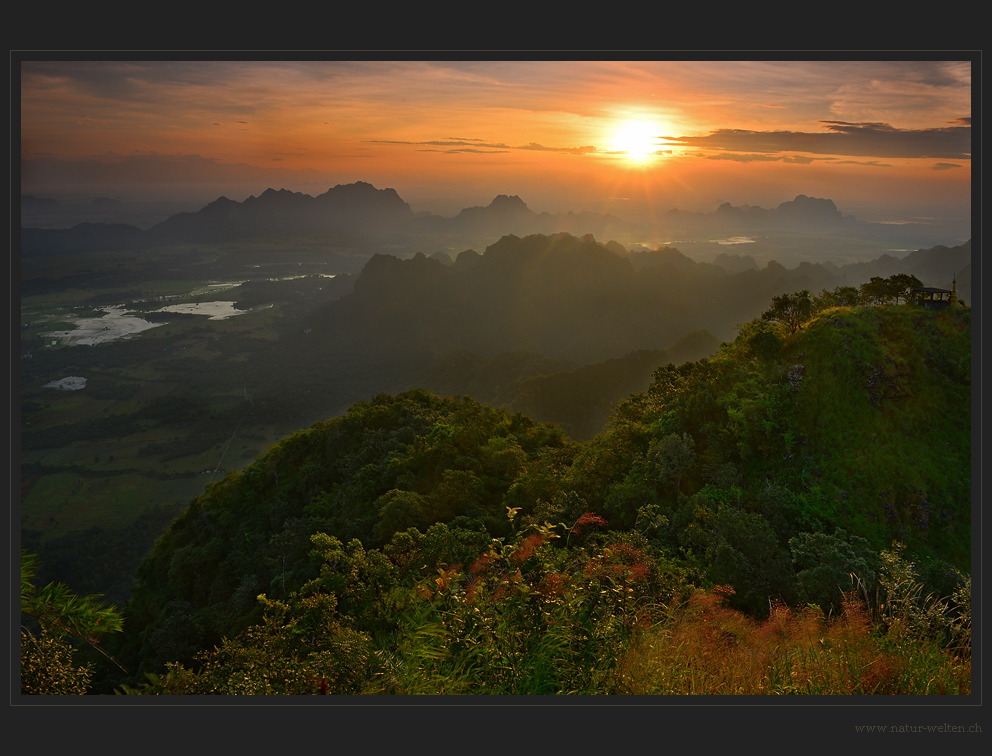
809 479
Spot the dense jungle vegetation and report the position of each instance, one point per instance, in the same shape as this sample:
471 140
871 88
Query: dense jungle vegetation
789 516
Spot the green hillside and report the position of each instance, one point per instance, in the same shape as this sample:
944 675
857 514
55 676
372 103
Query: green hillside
417 532
863 417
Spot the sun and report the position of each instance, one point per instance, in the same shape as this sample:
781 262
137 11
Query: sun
639 141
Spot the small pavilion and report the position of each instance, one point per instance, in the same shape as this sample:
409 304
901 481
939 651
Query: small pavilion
933 298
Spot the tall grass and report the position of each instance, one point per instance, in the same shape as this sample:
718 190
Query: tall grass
706 648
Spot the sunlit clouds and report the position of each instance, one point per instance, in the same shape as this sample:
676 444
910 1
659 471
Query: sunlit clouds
561 133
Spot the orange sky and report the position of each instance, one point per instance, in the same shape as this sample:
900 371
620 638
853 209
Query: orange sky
450 134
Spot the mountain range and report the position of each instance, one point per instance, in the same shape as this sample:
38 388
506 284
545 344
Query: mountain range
364 213
578 299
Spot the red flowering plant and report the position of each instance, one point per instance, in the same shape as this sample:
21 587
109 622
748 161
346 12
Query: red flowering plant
589 518
509 616
532 614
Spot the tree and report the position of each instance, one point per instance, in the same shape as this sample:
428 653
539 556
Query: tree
791 310
828 566
876 291
398 511
902 284
675 455
880 291
52 618
736 548
842 296
744 553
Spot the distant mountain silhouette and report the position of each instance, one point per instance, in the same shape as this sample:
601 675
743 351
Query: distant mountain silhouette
367 216
509 214
345 207
354 209
560 296
936 266
811 210
802 212
503 209
568 297
735 263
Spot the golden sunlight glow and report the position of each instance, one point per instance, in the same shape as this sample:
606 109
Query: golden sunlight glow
638 140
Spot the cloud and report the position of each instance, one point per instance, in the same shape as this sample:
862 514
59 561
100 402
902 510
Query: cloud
477 145
585 150
474 150
871 163
743 158
843 138
472 143
753 158
945 166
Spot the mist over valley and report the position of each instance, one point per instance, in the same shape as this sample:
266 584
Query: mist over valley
272 332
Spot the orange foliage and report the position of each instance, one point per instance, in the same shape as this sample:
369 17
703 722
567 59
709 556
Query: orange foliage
708 648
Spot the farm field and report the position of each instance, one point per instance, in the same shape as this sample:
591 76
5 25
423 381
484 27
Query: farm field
138 381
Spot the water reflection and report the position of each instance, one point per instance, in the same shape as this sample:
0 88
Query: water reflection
118 323
214 310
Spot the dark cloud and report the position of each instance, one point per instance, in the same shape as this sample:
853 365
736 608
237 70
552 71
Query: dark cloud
843 138
937 74
945 166
127 80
